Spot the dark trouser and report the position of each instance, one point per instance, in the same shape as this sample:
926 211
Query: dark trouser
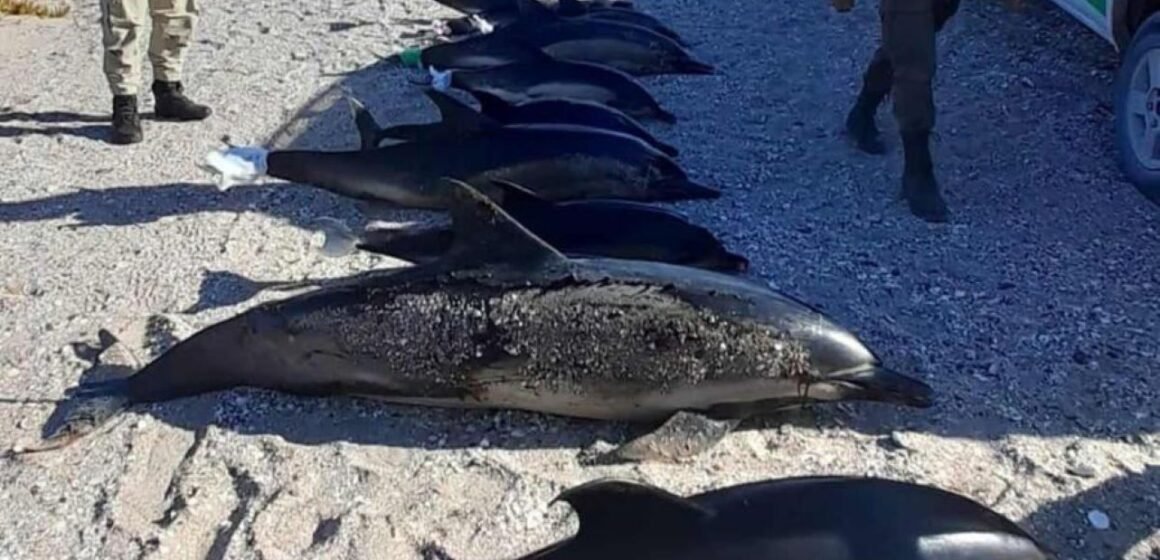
905 61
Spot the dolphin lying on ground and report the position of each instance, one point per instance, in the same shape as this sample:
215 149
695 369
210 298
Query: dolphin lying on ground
540 111
582 228
800 518
557 162
557 78
505 321
633 49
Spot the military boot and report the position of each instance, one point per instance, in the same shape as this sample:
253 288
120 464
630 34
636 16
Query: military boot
171 104
919 187
126 127
860 123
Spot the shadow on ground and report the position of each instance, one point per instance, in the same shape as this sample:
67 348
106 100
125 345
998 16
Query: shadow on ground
1129 501
16 124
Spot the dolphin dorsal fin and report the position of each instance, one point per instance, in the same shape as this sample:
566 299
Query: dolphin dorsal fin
485 233
457 117
606 507
515 195
535 10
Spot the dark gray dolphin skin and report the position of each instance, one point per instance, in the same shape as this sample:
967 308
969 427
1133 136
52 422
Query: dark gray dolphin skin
480 51
800 518
582 228
525 81
570 111
540 111
557 162
506 321
627 47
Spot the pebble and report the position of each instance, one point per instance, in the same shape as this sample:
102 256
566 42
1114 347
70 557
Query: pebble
1099 519
1082 470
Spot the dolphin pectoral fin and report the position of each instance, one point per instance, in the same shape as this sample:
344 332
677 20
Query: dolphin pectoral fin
602 507
683 436
485 233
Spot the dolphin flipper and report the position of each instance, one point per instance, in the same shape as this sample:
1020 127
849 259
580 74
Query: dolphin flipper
683 436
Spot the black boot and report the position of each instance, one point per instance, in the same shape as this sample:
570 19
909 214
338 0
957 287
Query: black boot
126 127
919 187
860 123
171 104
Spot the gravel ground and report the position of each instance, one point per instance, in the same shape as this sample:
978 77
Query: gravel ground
1034 314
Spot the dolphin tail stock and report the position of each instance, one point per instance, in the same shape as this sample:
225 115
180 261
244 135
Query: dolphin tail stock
339 240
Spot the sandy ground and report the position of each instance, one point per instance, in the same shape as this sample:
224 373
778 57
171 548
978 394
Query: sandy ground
1034 314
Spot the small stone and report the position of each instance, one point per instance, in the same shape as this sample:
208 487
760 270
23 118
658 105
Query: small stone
1099 519
484 443
1080 357
1082 470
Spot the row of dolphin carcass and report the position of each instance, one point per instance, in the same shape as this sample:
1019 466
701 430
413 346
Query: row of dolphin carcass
555 288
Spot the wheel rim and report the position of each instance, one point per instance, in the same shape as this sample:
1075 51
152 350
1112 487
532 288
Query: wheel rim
1143 110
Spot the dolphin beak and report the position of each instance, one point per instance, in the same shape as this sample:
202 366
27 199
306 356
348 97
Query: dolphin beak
876 383
691 66
683 189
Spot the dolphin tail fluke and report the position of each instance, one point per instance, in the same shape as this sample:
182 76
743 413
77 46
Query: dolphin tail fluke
369 131
339 240
92 404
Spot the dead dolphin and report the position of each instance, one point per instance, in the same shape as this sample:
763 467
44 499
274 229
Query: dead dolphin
506 321
539 111
798 518
582 228
481 51
557 162
571 111
524 81
627 47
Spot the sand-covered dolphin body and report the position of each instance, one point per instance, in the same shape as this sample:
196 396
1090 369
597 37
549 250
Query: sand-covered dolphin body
505 321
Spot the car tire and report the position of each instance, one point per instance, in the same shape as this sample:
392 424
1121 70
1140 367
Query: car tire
1130 126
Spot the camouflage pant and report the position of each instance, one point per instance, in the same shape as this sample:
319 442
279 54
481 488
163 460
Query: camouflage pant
905 61
170 35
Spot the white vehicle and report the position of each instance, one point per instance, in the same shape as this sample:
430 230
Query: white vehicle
1132 27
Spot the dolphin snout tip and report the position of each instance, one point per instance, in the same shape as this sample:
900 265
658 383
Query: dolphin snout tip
878 383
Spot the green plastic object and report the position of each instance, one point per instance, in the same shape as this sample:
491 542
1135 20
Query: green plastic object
411 57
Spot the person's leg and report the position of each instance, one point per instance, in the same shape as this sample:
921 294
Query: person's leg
876 82
909 38
173 26
121 21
